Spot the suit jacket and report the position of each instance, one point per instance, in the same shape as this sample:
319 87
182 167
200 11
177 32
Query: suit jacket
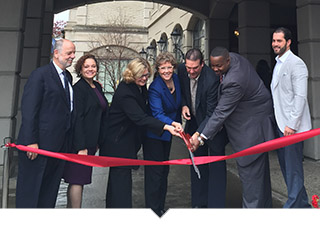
46 116
244 107
127 122
163 105
89 115
206 97
289 90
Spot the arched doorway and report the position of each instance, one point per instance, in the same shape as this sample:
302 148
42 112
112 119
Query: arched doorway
25 36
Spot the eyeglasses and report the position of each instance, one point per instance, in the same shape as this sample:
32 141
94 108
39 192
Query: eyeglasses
145 76
166 68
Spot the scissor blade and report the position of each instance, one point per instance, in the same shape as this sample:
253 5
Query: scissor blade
194 165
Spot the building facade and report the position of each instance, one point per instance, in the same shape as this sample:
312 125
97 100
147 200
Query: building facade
113 31
137 27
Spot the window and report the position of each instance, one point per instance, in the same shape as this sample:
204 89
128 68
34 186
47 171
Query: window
112 62
199 35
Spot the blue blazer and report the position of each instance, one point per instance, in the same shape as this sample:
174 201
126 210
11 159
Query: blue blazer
163 106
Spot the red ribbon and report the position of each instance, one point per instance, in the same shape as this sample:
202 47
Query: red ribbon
315 200
97 161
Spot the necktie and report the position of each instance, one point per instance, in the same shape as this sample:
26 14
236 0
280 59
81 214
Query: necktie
66 86
221 78
193 95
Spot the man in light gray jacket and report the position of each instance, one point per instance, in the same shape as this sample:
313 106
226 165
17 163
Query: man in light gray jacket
289 91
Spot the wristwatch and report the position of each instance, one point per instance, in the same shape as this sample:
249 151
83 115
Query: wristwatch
201 142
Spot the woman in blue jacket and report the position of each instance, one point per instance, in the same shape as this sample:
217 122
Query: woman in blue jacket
165 105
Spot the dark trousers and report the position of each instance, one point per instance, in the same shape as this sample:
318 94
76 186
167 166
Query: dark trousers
290 160
217 182
210 189
38 181
256 184
199 187
156 177
119 189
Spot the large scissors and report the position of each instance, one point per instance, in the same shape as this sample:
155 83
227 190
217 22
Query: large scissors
186 139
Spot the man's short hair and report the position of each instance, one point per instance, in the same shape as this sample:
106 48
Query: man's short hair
58 44
287 33
220 51
194 54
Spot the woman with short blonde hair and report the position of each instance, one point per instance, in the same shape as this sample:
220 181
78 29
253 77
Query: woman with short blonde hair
125 132
135 69
165 57
165 105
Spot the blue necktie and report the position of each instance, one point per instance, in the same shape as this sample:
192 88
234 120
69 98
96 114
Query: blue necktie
66 87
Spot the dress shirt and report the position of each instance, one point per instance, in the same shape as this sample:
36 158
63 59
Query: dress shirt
61 76
277 68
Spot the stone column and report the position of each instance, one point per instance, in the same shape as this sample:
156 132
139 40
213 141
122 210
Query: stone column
254 29
33 44
12 18
218 33
47 25
308 18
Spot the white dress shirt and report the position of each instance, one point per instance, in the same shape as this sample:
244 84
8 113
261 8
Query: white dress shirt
61 76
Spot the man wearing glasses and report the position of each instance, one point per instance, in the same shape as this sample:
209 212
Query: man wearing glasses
199 88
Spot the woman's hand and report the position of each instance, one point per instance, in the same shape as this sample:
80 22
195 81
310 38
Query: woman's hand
172 130
177 125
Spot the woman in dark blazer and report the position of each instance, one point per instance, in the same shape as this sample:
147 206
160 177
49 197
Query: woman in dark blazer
91 110
127 124
165 105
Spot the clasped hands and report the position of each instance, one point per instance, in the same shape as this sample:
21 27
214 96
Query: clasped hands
174 128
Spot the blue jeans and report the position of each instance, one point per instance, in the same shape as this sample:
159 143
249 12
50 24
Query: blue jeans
290 160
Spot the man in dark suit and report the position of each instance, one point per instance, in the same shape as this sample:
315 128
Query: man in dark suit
199 87
245 109
46 107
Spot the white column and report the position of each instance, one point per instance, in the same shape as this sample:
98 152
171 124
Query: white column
308 18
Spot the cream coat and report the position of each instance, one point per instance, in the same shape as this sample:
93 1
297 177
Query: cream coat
289 92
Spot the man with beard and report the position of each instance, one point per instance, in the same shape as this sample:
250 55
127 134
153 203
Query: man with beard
46 108
289 89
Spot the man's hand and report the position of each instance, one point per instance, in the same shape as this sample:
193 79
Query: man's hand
83 152
288 131
32 155
186 113
194 141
